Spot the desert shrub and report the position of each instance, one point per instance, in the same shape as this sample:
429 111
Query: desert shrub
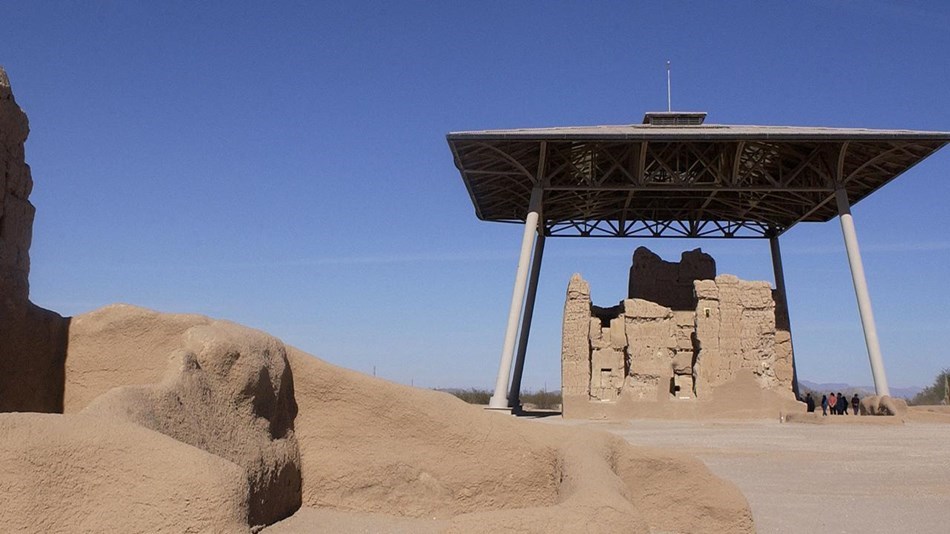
543 400
471 396
935 393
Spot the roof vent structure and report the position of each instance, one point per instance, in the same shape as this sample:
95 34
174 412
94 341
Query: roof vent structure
674 118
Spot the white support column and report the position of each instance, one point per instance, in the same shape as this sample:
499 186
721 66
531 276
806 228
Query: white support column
514 394
861 292
499 399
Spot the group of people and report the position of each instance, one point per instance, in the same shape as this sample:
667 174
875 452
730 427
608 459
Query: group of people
837 404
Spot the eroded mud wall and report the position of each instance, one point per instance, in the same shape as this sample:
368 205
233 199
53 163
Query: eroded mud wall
643 352
32 340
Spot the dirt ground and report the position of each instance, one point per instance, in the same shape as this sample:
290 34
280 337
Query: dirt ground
817 477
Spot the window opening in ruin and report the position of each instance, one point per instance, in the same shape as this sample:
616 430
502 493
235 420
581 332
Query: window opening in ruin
696 348
607 314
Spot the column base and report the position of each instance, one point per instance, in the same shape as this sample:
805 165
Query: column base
497 404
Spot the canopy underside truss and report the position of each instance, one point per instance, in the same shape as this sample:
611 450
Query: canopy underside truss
714 186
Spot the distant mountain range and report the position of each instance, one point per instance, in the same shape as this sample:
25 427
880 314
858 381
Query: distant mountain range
906 393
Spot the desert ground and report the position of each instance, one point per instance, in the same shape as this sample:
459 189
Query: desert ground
836 477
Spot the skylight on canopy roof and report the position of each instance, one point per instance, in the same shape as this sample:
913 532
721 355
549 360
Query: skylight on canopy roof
674 118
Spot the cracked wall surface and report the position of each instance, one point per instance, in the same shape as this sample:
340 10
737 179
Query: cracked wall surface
575 342
643 351
736 330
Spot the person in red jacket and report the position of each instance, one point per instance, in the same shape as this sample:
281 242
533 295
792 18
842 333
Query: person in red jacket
833 403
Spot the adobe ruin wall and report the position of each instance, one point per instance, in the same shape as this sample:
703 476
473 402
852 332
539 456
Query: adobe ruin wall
33 348
682 334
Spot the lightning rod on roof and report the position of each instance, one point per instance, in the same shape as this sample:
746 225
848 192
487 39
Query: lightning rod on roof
669 104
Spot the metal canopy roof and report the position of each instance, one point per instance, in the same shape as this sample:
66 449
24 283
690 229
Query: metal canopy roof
646 180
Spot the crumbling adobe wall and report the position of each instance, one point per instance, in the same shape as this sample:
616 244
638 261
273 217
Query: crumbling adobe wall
735 331
666 283
608 342
33 347
575 340
658 344
641 351
16 212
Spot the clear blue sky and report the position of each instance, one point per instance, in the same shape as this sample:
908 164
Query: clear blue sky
284 165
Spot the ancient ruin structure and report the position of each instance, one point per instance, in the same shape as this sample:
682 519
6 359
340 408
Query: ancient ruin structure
33 350
682 333
674 175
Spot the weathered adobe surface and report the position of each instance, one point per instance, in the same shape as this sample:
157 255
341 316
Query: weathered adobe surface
630 359
738 332
33 348
882 405
216 388
370 446
82 473
227 390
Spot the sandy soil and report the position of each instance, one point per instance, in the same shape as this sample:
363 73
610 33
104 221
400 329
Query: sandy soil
380 457
374 456
880 478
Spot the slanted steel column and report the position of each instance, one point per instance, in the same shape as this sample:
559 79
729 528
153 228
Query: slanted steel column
777 269
861 292
779 273
514 394
499 400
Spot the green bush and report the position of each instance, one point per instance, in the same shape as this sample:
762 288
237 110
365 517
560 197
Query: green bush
471 396
934 394
542 399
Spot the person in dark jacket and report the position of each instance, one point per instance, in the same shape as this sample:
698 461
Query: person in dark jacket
810 403
855 403
824 405
842 404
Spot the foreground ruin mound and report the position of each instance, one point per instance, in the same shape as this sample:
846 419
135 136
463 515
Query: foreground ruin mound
376 446
372 446
882 405
225 389
80 473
